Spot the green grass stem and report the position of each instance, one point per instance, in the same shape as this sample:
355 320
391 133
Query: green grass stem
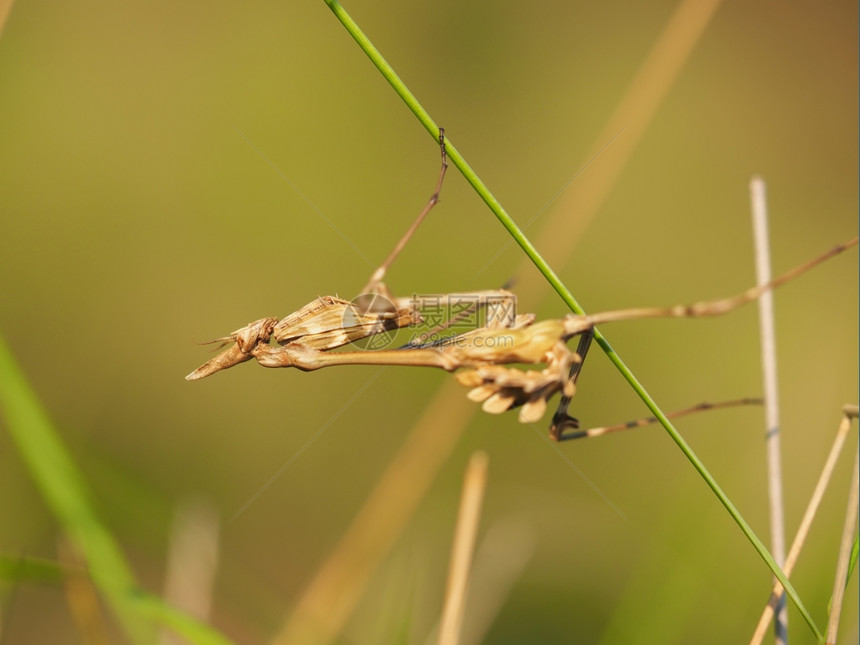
424 118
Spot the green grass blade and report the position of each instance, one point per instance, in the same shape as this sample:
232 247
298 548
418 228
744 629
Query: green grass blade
424 118
65 492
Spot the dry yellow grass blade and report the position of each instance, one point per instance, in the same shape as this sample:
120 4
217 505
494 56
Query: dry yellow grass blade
839 580
337 586
849 412
192 561
634 113
5 10
465 535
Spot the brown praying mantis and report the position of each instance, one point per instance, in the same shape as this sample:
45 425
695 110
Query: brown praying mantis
480 356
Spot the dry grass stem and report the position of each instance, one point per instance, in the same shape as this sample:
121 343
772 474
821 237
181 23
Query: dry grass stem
335 589
5 10
767 334
805 524
192 560
465 535
840 579
633 114
500 560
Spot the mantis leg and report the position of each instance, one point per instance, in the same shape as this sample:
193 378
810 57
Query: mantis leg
308 359
561 420
379 274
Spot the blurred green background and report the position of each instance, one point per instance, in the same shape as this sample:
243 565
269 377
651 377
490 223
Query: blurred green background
171 171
